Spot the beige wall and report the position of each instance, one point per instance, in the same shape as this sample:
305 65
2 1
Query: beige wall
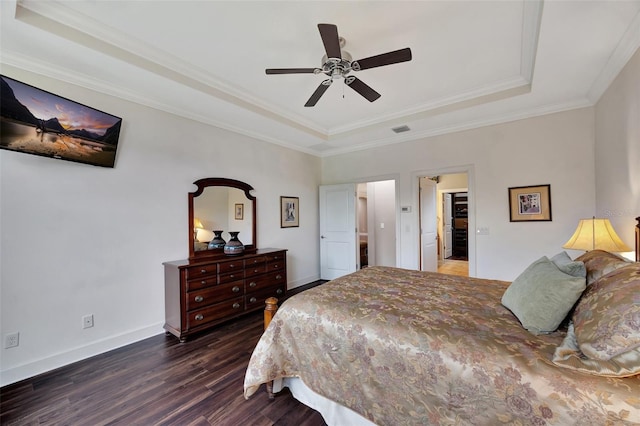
618 151
555 149
79 239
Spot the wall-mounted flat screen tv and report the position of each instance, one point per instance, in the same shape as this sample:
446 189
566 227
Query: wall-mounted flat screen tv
37 122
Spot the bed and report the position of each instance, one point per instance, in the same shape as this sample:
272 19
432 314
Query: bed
390 346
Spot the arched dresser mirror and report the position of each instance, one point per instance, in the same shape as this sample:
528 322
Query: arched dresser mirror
220 204
211 287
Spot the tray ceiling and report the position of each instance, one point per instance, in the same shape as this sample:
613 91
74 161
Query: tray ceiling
474 62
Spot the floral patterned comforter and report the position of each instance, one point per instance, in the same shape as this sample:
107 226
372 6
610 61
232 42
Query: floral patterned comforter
404 347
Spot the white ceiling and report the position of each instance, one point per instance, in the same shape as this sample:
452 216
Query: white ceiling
474 62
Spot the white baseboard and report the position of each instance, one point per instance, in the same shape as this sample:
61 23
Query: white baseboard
34 368
44 365
304 281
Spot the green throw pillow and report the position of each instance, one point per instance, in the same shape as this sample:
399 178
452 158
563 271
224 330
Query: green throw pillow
572 267
542 296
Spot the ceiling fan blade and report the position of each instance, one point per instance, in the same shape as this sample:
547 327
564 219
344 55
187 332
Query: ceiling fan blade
291 70
397 56
329 34
360 87
318 93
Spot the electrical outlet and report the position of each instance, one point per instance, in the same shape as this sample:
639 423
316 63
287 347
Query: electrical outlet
11 340
87 321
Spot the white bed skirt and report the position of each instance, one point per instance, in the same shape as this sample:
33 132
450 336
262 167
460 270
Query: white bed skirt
333 413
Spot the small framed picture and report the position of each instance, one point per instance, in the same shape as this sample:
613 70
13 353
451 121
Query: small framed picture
239 211
530 203
289 212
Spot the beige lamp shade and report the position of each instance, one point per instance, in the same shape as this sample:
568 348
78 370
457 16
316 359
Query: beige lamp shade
197 225
592 234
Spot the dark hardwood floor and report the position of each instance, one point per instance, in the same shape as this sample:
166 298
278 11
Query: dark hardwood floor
157 381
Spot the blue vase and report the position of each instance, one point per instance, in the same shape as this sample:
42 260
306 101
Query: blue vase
234 246
218 242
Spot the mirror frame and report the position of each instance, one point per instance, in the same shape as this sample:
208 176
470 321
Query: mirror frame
224 182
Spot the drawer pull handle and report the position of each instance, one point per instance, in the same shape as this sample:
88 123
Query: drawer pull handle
203 271
235 289
199 299
279 291
232 276
231 265
253 284
253 300
236 305
203 282
275 266
199 317
255 271
278 277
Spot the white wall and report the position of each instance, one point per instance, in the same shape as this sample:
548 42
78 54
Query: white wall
78 239
618 152
556 149
382 201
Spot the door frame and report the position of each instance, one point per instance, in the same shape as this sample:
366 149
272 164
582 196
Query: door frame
452 191
469 169
395 177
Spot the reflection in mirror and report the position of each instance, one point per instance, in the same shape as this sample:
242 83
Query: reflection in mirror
220 204
222 208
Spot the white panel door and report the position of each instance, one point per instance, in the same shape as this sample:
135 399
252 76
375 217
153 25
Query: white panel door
428 226
337 230
448 227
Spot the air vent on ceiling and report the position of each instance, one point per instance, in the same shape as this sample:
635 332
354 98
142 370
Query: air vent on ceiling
401 129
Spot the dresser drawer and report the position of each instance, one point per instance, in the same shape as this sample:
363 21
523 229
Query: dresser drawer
202 283
202 271
254 270
266 280
215 312
278 256
211 295
257 299
231 266
259 260
275 265
230 276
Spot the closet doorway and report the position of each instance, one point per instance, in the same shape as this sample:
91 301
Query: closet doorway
452 222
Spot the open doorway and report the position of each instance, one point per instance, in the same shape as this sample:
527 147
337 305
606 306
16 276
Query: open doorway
376 211
370 210
452 222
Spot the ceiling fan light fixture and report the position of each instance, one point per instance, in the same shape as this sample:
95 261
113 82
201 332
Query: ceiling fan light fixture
337 63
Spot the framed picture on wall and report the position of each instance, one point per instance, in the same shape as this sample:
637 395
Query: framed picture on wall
239 211
289 212
530 203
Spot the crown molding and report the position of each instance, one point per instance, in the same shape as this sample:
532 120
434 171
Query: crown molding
463 126
70 24
628 45
513 86
72 77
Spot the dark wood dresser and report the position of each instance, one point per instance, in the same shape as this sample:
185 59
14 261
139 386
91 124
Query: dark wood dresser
200 294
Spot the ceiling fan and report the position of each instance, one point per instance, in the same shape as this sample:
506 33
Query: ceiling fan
337 64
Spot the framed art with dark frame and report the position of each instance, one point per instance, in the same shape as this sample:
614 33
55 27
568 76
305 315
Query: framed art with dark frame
530 203
239 209
289 212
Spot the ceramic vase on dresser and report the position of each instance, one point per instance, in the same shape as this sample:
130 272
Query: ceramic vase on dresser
234 246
